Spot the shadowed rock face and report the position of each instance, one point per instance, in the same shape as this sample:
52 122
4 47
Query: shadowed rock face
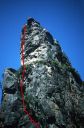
53 89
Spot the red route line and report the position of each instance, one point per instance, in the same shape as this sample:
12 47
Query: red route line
21 81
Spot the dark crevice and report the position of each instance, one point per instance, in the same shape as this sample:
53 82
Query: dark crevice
49 38
10 91
51 120
32 49
73 119
50 92
12 70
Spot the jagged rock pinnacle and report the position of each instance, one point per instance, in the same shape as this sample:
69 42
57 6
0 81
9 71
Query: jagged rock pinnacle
53 90
39 44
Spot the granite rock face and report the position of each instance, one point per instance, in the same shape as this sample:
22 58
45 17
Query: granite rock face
53 89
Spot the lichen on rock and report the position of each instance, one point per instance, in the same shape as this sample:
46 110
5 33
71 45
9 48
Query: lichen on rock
53 89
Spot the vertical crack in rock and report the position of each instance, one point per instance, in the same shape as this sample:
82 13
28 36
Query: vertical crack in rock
53 89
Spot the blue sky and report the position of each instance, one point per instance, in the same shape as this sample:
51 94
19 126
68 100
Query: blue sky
63 18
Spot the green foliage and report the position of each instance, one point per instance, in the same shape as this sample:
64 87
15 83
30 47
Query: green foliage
55 42
70 69
49 54
83 83
55 63
58 64
76 75
41 62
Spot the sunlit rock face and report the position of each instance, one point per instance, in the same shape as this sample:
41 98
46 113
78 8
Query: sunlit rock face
39 44
53 89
